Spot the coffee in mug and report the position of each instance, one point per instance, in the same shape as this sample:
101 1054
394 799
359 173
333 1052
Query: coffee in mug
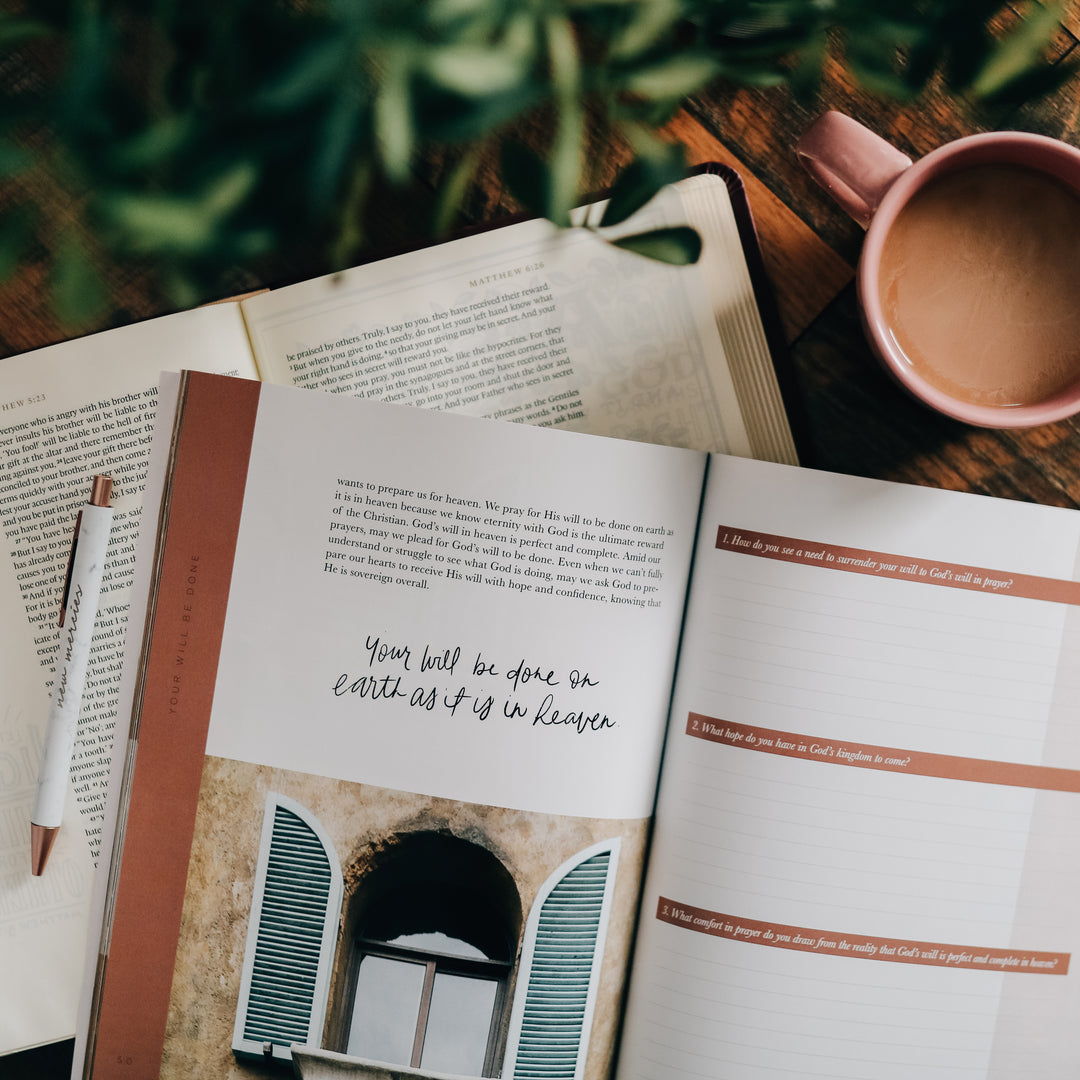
979 283
969 278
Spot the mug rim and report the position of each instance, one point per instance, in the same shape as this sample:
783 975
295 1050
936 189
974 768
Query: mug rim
960 153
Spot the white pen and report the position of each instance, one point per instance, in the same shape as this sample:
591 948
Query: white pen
78 612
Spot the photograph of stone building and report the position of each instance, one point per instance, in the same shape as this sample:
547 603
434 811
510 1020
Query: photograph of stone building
340 929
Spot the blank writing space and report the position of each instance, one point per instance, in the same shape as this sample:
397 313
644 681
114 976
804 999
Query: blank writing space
965 674
713 1013
954 631
820 845
883 689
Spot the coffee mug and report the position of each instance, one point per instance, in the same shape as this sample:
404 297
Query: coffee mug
969 277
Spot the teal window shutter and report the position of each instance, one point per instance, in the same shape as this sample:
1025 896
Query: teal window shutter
292 930
560 966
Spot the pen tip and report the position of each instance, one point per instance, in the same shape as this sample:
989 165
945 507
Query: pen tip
42 839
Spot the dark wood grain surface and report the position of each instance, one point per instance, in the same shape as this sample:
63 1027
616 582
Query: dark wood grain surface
856 419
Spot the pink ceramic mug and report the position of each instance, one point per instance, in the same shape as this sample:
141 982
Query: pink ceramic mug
873 181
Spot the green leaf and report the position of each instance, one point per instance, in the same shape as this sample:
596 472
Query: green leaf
223 195
758 76
314 69
565 59
522 34
181 289
564 167
1033 85
452 191
474 71
639 181
463 19
244 245
337 139
91 45
394 127
887 33
349 236
14 30
675 77
158 224
1020 52
13 159
648 23
77 289
678 246
178 225
160 141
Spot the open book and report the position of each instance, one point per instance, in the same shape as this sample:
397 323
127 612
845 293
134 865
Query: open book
397 722
524 322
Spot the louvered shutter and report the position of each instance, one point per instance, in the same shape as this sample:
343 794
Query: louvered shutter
560 965
291 934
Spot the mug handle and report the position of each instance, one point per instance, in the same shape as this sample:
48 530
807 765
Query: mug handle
855 166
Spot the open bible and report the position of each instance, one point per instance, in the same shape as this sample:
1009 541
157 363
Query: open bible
525 322
436 721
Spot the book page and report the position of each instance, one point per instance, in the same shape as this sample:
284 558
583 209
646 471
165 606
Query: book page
445 645
442 561
67 412
551 327
864 856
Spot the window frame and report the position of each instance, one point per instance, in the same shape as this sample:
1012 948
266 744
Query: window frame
435 962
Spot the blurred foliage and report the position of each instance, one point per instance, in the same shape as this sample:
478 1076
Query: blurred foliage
191 136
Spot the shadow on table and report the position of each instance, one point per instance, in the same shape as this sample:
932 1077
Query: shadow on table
858 421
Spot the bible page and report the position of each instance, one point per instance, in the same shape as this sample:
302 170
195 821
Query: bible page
547 326
67 412
864 858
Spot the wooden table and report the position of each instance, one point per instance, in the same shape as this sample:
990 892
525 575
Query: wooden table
855 419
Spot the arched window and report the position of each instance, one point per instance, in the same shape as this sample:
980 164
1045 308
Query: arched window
433 925
425 955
